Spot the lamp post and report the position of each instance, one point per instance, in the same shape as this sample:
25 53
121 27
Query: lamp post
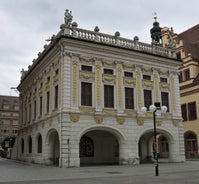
153 109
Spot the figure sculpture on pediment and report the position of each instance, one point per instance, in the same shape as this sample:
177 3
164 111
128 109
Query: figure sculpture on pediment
68 18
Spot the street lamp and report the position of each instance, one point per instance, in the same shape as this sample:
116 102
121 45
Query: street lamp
153 109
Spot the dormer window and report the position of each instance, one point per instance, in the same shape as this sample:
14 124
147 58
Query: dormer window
108 71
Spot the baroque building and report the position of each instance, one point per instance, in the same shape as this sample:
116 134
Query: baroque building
187 44
9 117
81 100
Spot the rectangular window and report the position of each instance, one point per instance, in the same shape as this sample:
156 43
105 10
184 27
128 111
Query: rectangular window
180 77
87 68
192 111
56 71
128 74
163 79
187 74
47 101
108 96
40 105
165 99
146 77
30 112
108 71
147 98
129 98
184 112
35 109
178 55
86 94
56 97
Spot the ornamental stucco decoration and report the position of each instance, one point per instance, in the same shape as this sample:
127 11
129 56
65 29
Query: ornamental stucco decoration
120 120
158 122
140 122
173 92
175 122
138 79
129 81
85 75
156 81
147 69
98 74
120 86
74 117
98 119
75 64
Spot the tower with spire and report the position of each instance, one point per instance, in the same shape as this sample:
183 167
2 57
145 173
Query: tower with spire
156 33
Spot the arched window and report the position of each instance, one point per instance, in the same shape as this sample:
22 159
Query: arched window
191 142
30 145
39 144
22 146
86 147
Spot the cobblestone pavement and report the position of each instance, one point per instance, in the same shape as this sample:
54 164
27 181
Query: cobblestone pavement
15 172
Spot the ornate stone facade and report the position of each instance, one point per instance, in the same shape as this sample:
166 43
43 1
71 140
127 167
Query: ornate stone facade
74 105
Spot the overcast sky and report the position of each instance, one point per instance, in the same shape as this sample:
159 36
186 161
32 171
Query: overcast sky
25 24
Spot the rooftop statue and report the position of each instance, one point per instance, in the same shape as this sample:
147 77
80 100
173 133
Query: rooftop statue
68 18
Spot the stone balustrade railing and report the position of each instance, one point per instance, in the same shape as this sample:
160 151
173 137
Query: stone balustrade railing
120 42
114 40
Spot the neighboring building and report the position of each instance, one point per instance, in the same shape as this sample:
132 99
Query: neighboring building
9 116
81 100
187 49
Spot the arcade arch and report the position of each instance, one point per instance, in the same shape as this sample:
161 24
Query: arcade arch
164 147
53 147
100 145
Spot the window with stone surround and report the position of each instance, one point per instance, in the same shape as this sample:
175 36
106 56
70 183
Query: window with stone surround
129 98
108 71
56 97
47 101
108 96
146 77
128 74
165 99
86 68
40 105
147 98
86 94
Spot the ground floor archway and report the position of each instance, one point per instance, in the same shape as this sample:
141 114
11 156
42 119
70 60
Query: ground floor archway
98 147
53 147
146 146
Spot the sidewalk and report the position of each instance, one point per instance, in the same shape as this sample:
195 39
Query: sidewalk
11 170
